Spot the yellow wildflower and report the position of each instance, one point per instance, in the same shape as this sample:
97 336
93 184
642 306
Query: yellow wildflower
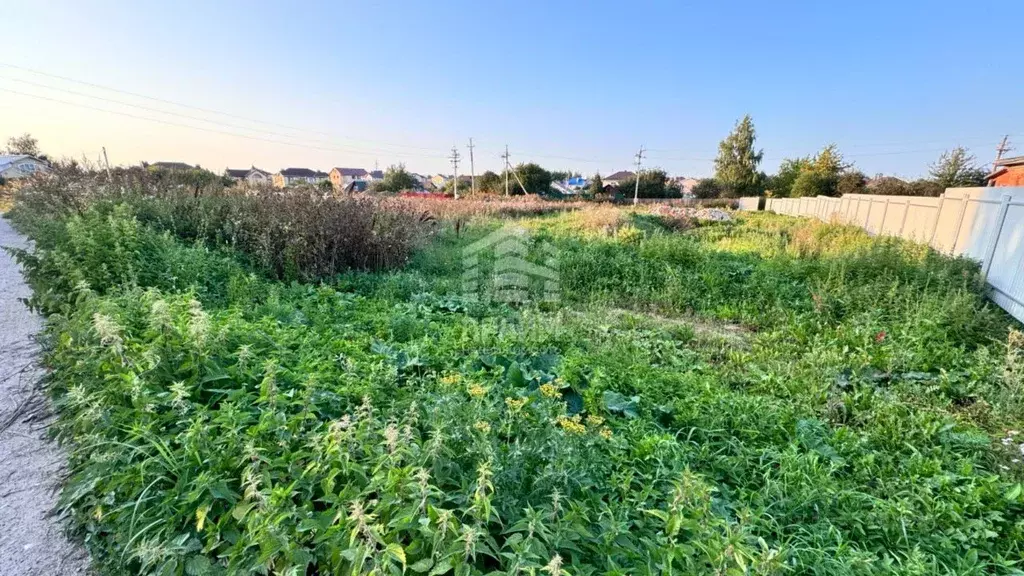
606 433
595 420
98 513
477 391
515 404
482 427
451 379
550 391
571 424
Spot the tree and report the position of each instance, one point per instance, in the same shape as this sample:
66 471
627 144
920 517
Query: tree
653 184
24 144
829 162
707 188
957 168
813 183
396 179
535 179
851 182
737 161
490 182
781 184
596 186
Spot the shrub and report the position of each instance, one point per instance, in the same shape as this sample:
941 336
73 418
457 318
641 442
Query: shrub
707 188
813 183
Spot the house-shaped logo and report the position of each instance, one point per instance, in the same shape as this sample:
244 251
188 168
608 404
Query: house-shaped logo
512 274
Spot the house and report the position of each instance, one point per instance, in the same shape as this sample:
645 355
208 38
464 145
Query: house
293 176
576 183
422 180
439 180
250 176
1007 172
685 185
375 175
342 177
16 166
617 178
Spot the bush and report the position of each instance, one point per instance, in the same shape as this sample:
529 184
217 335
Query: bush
852 182
300 233
653 184
708 188
813 183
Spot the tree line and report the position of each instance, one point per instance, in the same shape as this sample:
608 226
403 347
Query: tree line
826 173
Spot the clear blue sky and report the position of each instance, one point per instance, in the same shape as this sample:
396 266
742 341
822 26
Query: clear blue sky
892 83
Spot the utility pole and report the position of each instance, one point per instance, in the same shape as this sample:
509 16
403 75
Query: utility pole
472 170
110 178
455 166
639 162
1002 149
505 158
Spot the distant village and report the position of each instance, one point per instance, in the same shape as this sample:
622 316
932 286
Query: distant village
360 179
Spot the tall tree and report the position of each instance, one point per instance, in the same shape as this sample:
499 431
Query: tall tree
737 161
596 186
24 144
781 184
829 162
957 168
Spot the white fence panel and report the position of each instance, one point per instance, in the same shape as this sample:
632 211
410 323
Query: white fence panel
985 224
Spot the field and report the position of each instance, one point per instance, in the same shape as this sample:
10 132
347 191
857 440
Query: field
758 396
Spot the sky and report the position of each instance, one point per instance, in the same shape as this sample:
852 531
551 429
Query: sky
570 85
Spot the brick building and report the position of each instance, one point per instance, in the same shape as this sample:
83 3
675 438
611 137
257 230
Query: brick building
1007 172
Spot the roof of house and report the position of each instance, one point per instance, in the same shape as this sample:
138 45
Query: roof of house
620 175
576 181
377 174
172 165
236 173
302 173
1014 161
12 158
351 171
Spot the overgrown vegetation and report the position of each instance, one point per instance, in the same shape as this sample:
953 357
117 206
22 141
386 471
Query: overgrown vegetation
766 395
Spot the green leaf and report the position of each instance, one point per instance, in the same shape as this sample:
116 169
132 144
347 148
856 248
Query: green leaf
422 565
243 508
618 404
396 552
1014 492
442 567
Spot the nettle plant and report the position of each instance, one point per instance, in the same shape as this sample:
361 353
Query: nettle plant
202 449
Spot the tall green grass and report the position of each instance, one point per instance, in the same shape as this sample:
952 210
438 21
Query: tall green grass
762 396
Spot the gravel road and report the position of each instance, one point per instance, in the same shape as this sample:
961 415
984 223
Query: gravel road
32 540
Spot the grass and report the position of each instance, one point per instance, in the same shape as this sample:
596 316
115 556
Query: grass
767 395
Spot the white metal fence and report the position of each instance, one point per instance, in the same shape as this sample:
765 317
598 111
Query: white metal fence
986 224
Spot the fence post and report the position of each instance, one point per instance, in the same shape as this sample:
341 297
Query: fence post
903 223
959 222
881 227
935 224
867 219
993 242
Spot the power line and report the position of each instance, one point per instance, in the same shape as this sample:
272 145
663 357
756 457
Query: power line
180 125
201 109
178 114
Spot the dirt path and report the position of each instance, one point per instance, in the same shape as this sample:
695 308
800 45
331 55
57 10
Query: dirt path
32 541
